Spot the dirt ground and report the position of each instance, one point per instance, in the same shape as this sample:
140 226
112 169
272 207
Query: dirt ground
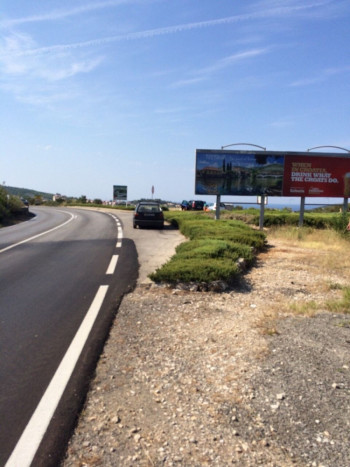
234 378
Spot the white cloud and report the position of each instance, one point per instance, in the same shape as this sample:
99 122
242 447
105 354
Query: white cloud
15 61
284 123
307 81
69 70
60 14
203 74
187 82
321 76
234 58
262 13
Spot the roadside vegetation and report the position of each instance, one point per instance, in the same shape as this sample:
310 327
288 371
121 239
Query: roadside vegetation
221 250
216 250
328 218
11 208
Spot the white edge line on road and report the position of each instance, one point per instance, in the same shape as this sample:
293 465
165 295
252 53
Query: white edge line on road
112 264
28 444
39 235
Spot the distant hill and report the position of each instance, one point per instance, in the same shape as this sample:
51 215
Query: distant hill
27 193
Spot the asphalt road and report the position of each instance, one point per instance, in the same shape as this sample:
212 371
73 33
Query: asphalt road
63 271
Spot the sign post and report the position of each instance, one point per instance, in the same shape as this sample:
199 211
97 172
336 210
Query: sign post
262 211
302 209
217 210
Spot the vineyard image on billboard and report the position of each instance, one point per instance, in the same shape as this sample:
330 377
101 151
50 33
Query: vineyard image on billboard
239 173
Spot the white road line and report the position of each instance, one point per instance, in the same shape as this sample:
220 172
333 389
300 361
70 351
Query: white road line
118 245
120 233
112 265
39 235
28 444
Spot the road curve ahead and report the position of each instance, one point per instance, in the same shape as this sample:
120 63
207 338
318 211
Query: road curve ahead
62 276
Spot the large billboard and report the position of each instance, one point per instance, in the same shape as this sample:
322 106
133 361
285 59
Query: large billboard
271 173
120 193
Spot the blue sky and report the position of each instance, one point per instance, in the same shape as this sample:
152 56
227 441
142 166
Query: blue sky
122 92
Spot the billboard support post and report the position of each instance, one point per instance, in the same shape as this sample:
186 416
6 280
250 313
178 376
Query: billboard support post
345 205
262 209
217 211
302 209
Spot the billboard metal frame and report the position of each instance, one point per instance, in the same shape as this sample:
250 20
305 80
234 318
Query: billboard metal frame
272 173
256 173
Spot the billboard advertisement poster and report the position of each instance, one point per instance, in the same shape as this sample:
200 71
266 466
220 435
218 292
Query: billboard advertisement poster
240 173
318 176
120 192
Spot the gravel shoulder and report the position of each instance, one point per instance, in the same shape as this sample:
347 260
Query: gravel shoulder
195 378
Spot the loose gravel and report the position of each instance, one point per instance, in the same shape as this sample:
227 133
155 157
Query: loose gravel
233 378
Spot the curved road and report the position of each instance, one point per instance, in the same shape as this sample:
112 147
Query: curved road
62 274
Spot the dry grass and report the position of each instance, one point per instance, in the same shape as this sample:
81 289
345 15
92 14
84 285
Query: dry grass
311 238
326 249
318 266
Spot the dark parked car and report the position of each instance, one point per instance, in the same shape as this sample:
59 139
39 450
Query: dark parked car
148 214
196 205
185 205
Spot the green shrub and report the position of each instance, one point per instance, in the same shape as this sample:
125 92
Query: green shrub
233 231
15 205
213 248
196 270
212 251
317 220
340 222
10 206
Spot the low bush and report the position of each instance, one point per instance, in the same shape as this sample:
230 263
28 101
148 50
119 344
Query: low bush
311 219
213 249
200 269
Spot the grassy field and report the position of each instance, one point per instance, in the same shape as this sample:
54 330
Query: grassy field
330 247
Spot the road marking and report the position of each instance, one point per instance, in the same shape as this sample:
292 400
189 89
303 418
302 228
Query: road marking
112 264
28 444
119 244
39 235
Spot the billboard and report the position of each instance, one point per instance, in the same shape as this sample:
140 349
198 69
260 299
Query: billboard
239 173
271 173
317 176
120 192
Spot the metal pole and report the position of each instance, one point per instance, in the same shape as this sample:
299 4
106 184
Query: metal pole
243 144
302 209
262 209
345 205
217 211
335 147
